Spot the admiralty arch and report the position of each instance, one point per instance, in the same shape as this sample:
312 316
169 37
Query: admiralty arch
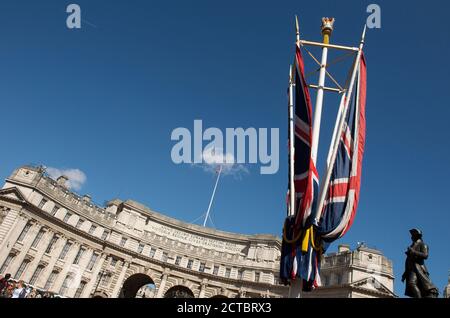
57 240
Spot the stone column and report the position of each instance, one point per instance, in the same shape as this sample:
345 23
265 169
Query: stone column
162 286
120 279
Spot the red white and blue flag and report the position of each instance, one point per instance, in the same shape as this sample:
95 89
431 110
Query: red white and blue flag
341 200
305 173
305 176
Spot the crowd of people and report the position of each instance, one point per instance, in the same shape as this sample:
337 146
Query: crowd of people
10 288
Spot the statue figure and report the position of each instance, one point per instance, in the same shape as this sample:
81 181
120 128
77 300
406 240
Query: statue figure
418 282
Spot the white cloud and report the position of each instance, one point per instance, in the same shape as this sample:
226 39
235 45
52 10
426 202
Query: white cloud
76 177
213 158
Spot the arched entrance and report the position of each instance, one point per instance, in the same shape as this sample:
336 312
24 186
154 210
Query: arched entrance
138 285
179 292
219 296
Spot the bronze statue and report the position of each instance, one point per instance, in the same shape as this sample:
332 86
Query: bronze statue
418 282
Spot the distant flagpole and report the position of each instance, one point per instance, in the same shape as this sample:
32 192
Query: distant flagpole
212 196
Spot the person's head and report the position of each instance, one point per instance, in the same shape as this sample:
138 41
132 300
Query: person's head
7 276
415 234
21 284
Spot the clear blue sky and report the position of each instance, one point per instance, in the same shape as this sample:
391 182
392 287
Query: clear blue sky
105 99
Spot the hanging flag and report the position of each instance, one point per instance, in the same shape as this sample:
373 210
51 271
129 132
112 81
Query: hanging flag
305 178
341 200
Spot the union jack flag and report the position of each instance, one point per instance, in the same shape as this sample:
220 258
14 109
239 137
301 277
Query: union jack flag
305 173
305 177
341 200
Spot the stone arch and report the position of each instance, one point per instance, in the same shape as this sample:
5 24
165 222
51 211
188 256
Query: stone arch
100 294
179 291
219 296
133 283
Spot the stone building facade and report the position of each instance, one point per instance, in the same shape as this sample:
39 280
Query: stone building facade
361 273
59 241
56 240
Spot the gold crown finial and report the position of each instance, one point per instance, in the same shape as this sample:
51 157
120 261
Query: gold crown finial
327 25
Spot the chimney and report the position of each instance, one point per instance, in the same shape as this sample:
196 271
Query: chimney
342 248
87 198
62 180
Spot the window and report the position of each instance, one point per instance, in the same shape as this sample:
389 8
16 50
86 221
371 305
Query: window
106 279
21 269
152 252
123 241
140 248
105 235
227 272
241 274
51 279
338 279
42 203
113 262
92 230
67 282
50 245
64 251
92 261
178 260
37 239
80 289
79 254
67 216
257 277
202 267
24 232
189 264
55 209
164 257
79 223
216 270
6 263
36 274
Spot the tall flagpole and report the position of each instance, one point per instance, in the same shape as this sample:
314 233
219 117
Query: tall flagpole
327 29
324 185
296 285
212 196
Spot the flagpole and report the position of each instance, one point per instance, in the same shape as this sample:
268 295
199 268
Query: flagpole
327 29
291 144
324 185
336 125
296 285
212 196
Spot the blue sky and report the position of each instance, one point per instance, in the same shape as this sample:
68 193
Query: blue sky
105 99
